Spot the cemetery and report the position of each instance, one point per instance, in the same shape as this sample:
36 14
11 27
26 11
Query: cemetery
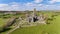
34 22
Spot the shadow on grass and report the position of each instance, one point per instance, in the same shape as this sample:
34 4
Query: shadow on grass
4 30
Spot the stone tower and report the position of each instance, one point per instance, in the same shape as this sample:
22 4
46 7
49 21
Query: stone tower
34 16
34 12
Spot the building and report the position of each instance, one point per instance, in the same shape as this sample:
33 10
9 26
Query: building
33 17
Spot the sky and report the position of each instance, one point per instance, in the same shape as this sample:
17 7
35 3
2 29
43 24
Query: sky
21 5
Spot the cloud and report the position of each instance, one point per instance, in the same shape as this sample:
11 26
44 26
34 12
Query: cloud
40 5
38 1
51 7
3 5
33 4
14 6
9 7
54 1
30 4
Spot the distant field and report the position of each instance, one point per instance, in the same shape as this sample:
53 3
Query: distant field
52 28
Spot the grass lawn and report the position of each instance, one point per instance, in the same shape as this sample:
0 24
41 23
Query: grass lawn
3 21
52 28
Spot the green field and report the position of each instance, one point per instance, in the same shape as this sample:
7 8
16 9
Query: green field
52 28
4 18
2 21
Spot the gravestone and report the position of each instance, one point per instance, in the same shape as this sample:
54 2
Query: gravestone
41 17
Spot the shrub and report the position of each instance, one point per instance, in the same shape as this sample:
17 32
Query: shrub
1 29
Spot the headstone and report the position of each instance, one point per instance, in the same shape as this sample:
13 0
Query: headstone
28 18
20 18
41 17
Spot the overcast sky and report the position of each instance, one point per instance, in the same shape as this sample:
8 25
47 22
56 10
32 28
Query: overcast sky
19 5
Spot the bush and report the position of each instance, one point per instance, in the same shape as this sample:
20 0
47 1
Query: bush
1 29
6 17
50 19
